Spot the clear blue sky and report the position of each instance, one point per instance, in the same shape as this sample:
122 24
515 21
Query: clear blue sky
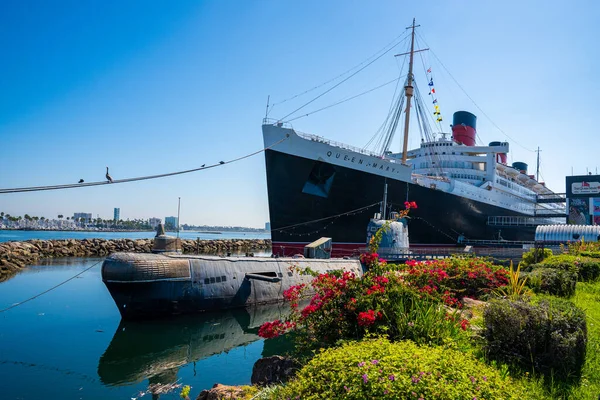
147 87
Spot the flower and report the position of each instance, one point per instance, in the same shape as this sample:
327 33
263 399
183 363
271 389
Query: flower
270 330
365 378
392 377
366 318
464 324
410 204
375 362
361 364
294 292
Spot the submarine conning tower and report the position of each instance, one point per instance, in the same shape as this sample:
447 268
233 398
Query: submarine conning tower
464 128
164 243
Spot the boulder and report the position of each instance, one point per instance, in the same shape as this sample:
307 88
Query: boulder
276 369
219 392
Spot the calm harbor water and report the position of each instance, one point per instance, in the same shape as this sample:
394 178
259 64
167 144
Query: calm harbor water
72 344
14 235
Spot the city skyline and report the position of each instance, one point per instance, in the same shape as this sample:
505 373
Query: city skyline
150 88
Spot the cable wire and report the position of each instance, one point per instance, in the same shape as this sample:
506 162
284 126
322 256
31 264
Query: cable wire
326 218
345 100
473 101
338 84
49 290
142 178
340 75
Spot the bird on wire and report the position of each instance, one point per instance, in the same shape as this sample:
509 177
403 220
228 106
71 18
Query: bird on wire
221 162
108 177
202 166
81 181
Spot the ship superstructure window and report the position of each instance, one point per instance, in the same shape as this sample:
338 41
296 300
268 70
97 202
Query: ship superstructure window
319 180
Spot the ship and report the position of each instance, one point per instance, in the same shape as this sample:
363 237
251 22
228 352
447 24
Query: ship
319 187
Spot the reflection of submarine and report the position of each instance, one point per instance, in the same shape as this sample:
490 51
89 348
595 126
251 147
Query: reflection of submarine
155 349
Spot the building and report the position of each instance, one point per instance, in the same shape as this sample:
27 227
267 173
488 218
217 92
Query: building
87 217
153 222
117 214
267 226
583 199
171 223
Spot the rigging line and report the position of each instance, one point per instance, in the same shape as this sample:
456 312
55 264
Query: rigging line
379 133
342 74
335 86
52 288
345 100
77 185
473 101
323 219
438 124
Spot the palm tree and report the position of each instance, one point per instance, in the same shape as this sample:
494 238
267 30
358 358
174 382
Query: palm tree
60 216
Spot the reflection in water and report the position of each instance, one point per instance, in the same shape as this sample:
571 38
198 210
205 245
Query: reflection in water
155 350
6 275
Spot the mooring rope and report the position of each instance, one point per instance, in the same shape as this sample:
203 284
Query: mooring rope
49 290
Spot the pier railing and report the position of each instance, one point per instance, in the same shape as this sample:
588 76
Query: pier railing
540 219
551 198
320 139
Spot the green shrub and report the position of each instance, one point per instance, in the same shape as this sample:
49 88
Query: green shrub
549 337
587 268
562 261
529 257
379 369
591 254
554 281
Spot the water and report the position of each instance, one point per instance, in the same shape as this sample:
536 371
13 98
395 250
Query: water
14 235
72 344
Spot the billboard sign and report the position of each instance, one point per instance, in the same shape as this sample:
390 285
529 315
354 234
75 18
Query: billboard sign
585 187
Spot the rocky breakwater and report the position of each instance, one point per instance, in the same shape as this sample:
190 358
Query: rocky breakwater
16 255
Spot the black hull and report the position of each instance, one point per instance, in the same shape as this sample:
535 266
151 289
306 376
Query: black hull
439 220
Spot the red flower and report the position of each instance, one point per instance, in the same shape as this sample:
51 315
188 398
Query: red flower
410 204
270 330
293 293
366 318
464 324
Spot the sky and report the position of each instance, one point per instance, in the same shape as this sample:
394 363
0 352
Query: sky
148 87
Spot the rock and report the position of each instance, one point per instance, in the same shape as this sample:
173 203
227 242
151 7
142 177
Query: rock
472 303
276 369
219 392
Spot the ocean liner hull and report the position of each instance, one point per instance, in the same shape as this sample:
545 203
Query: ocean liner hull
307 186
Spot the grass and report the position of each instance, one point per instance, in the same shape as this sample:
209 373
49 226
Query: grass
587 297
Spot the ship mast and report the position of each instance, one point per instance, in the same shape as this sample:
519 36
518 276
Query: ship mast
408 91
